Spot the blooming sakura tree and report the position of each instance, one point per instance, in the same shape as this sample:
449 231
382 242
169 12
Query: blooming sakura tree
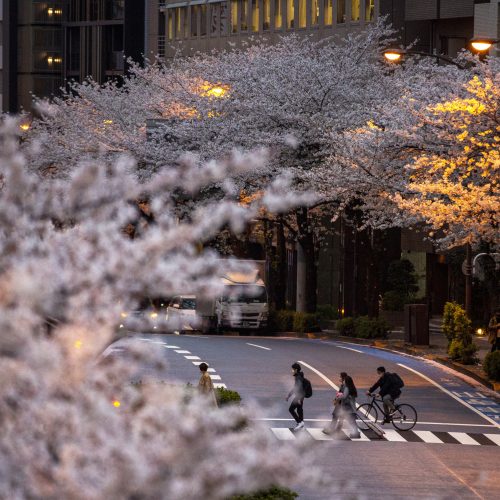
72 427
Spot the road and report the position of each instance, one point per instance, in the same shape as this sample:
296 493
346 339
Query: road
453 452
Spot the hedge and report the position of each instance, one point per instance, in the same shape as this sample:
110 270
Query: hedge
292 321
273 493
491 365
363 327
226 396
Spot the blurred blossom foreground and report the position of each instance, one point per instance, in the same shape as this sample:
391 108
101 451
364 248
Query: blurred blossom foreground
71 427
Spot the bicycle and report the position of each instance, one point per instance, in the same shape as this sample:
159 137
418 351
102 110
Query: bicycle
403 418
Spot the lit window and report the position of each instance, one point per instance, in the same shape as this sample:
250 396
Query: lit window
234 16
244 15
302 13
203 20
278 16
369 10
355 9
340 11
180 22
170 24
328 12
290 13
255 15
314 12
266 15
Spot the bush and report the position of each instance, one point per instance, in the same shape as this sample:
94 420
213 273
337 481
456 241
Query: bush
491 365
274 493
281 321
226 396
327 312
370 328
393 301
458 330
305 322
465 353
345 326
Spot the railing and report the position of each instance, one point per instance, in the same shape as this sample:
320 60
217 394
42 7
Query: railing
161 46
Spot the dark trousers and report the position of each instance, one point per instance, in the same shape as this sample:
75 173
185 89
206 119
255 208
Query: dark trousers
297 410
339 414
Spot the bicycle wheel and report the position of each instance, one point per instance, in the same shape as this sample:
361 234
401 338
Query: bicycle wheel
366 411
404 417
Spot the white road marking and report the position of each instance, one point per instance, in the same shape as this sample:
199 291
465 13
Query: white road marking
392 435
428 437
217 385
361 438
446 391
192 357
183 352
463 438
494 437
349 348
197 363
282 434
259 346
318 434
418 423
211 370
171 346
157 342
317 372
215 377
291 419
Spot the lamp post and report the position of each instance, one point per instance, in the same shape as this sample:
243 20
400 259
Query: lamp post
481 46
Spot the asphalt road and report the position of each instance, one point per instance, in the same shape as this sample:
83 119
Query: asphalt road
459 456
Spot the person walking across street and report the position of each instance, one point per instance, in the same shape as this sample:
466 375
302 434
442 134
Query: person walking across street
344 407
205 384
298 393
389 391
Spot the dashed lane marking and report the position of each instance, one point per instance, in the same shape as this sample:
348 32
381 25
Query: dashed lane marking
348 348
183 352
394 436
192 357
215 377
260 346
171 346
446 391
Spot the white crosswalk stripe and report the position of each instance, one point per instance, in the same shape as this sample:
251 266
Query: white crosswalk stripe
392 435
463 438
428 437
494 437
283 433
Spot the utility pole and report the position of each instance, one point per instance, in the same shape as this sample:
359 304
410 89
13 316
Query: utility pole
468 280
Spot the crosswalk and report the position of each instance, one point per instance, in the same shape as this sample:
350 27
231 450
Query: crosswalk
482 403
392 435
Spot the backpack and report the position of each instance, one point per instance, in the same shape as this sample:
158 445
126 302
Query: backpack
308 390
397 381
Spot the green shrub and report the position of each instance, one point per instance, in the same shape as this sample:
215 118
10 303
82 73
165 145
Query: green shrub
327 312
273 493
460 351
458 330
491 365
281 321
345 326
305 322
226 396
370 328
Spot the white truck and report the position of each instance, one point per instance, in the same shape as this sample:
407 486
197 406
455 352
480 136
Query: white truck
242 305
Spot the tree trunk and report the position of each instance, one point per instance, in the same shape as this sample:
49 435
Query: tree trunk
305 238
281 263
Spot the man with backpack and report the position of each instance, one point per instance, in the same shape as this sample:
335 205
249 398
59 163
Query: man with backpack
301 389
390 385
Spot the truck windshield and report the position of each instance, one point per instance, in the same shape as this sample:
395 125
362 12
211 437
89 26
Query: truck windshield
250 294
188 304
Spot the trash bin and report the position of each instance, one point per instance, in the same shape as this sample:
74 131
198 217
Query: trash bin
416 324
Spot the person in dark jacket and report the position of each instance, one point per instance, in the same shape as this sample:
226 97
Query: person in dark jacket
298 393
388 392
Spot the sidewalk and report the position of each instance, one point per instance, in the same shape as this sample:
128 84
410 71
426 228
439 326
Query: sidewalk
436 351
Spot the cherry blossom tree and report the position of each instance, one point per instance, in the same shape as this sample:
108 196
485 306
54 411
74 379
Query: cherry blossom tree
73 427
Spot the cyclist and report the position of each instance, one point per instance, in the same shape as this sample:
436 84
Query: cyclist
388 392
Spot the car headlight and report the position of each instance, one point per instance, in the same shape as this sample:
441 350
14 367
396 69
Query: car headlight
153 315
124 314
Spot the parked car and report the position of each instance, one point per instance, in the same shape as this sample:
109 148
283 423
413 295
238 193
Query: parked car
181 314
148 316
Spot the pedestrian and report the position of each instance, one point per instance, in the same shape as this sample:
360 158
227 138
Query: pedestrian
494 331
344 407
297 407
389 392
205 385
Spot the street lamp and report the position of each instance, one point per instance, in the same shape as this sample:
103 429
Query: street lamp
397 55
483 44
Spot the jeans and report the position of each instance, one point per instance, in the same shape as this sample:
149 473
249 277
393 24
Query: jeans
297 410
388 404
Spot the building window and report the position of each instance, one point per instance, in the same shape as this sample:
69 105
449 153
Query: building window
194 20
214 18
355 10
266 14
170 24
302 13
243 15
341 11
314 12
278 16
224 18
369 10
328 12
203 20
234 16
255 15
290 14
180 22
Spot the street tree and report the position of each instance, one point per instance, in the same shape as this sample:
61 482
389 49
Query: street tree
72 424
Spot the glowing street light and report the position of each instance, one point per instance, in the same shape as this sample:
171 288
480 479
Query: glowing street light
482 44
394 55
